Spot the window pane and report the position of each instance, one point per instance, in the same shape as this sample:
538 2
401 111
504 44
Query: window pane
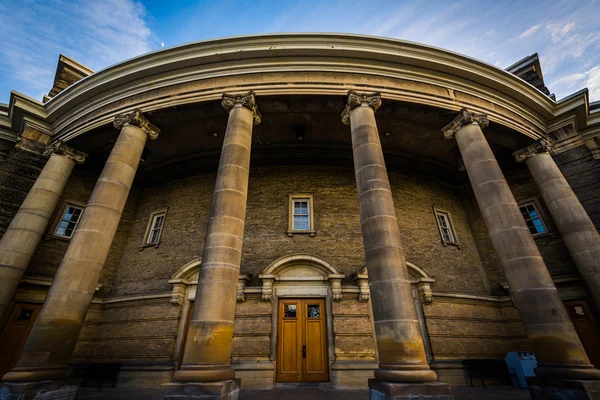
539 226
60 231
24 315
314 311
68 232
301 222
289 311
301 207
63 224
446 235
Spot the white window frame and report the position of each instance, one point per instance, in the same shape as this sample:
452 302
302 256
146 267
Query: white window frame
293 198
450 227
150 228
537 208
59 218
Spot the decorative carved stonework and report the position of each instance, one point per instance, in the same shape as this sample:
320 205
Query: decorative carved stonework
463 118
530 151
136 118
356 99
362 280
336 285
66 151
229 101
424 289
243 280
267 286
178 292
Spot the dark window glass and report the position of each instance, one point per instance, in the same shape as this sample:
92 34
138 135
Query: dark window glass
24 315
314 311
289 311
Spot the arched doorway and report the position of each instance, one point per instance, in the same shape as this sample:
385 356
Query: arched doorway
301 288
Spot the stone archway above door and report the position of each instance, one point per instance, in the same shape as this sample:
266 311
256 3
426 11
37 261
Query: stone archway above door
186 278
419 277
301 268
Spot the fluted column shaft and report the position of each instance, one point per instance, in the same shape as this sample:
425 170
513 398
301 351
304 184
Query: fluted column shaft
207 352
401 352
52 340
29 224
557 347
573 222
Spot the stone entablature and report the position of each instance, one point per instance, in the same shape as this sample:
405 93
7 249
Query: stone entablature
407 71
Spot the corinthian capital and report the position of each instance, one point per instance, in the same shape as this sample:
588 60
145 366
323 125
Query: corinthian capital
463 118
356 99
65 151
229 101
136 118
530 151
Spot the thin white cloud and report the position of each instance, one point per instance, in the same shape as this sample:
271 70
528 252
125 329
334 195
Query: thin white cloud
96 33
559 31
530 31
577 81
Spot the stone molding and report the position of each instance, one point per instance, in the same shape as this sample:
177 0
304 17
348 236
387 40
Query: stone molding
420 279
532 150
463 118
247 100
356 99
243 280
451 81
67 151
137 118
322 270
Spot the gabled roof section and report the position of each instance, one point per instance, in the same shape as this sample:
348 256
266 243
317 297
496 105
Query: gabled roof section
68 71
530 70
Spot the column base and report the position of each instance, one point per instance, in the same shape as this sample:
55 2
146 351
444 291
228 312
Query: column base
559 389
41 390
224 390
413 391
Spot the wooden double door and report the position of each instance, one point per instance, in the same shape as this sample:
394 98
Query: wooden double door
302 341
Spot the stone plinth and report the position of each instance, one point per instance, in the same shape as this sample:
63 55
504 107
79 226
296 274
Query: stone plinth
400 391
225 390
562 389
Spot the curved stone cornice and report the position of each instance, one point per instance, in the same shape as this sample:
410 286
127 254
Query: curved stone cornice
356 99
136 118
67 151
323 64
463 118
533 149
247 100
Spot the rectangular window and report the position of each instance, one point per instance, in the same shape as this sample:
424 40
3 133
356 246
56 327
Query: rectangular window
68 221
301 214
532 218
444 223
154 228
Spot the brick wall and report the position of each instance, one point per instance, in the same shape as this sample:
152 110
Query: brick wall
338 237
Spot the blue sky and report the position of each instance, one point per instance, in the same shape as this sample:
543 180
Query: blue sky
99 33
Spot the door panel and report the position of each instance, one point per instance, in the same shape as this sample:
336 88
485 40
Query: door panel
586 328
315 365
301 342
15 334
289 346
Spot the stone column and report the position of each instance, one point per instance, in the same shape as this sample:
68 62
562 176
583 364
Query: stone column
207 353
557 347
52 340
29 224
573 222
402 356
